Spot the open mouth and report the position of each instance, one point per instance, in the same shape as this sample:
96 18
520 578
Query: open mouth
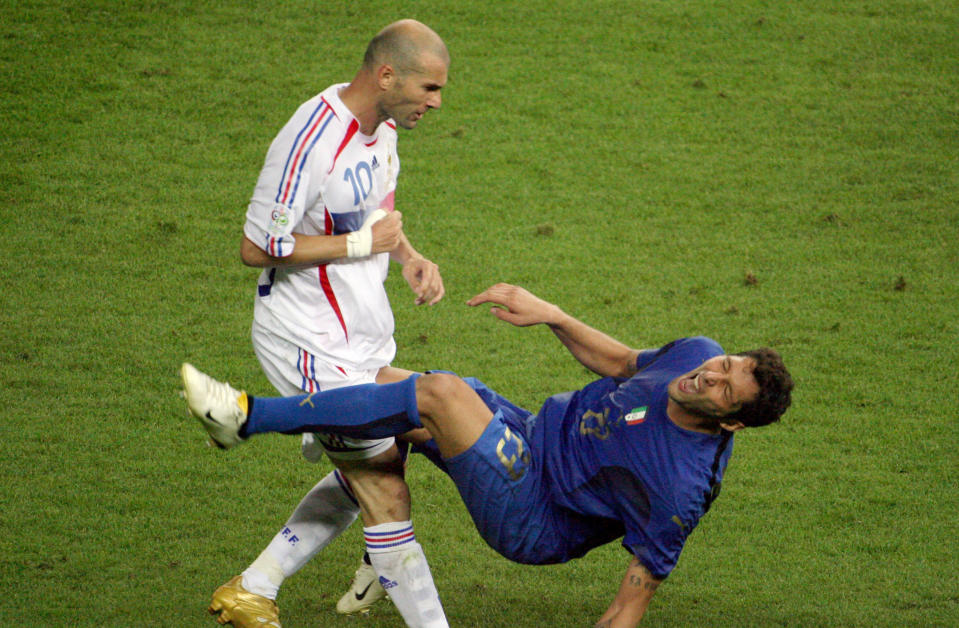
690 384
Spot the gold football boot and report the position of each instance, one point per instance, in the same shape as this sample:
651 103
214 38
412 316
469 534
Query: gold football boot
243 609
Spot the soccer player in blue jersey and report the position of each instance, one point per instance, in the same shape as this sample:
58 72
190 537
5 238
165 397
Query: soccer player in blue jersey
638 454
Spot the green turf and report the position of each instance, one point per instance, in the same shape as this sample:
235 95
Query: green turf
763 173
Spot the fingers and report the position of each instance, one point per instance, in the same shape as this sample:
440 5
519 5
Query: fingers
432 290
431 298
503 314
387 232
513 304
498 294
391 223
424 278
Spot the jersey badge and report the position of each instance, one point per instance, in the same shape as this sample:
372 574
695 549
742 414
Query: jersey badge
595 424
636 415
279 220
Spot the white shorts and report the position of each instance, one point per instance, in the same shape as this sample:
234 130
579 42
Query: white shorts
293 371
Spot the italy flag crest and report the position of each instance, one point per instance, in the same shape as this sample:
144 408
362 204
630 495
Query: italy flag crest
636 415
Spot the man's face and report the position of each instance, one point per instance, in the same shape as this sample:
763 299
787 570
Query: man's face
718 387
415 92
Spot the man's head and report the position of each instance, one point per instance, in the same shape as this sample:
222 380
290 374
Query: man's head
746 389
775 389
408 62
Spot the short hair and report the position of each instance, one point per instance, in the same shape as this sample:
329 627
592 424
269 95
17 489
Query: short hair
775 390
402 45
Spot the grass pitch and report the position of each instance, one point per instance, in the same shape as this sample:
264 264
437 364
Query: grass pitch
780 174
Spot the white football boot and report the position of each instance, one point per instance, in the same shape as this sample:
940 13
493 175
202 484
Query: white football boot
365 590
218 406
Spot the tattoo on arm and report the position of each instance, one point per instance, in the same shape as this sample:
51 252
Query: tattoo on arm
637 580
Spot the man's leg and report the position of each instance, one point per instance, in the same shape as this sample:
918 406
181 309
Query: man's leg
394 553
384 500
249 599
386 506
322 515
327 510
458 416
367 411
443 403
365 588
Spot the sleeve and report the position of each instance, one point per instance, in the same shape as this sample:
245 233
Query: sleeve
288 182
696 349
648 356
658 541
658 544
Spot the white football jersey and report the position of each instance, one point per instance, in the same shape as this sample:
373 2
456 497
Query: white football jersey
322 176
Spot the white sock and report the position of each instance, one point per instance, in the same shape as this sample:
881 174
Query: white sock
403 571
320 517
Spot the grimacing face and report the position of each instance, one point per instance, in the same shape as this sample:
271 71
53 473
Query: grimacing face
716 388
416 92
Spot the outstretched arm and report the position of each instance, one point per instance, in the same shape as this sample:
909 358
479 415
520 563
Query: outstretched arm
598 352
632 599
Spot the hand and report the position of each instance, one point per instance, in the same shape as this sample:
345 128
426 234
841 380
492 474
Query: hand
424 279
522 308
387 232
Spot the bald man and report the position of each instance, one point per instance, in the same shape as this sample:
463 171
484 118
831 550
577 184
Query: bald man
323 227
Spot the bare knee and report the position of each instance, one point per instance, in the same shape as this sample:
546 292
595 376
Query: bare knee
436 392
452 412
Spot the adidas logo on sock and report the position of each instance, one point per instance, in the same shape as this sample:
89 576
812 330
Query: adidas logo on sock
386 583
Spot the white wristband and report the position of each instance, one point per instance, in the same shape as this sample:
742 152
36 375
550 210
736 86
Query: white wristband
359 243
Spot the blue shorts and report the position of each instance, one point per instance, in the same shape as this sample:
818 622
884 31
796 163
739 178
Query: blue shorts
500 481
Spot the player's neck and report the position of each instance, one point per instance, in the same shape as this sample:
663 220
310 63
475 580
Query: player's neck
356 98
690 420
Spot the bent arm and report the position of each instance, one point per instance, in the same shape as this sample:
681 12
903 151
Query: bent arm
310 250
595 350
385 232
631 601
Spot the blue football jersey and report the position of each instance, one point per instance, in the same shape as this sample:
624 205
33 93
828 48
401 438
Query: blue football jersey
619 466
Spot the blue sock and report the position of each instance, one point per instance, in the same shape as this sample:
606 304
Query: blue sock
365 411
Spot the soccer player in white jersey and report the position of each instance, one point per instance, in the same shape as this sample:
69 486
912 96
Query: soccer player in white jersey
322 225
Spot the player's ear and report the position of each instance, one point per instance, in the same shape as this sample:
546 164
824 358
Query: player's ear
731 426
385 76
